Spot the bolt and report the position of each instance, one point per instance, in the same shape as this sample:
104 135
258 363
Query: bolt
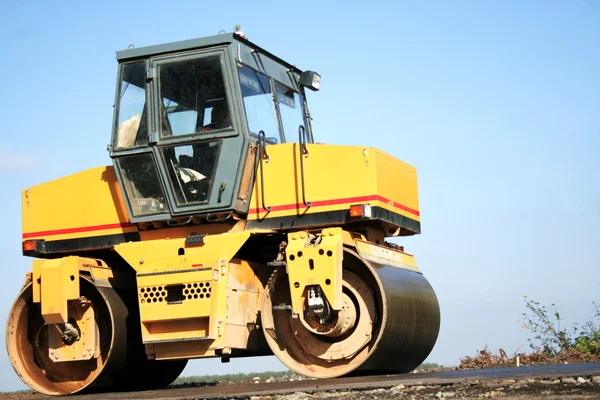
141 260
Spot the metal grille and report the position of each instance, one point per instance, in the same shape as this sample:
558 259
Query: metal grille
175 294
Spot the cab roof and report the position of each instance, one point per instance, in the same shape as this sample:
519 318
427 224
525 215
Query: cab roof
192 44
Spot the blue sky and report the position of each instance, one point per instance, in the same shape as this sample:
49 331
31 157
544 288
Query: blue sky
496 103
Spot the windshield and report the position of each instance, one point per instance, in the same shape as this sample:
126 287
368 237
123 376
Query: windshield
193 97
291 109
258 103
131 118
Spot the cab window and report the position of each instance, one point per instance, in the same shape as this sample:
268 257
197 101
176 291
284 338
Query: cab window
132 128
142 185
291 109
193 97
258 103
191 170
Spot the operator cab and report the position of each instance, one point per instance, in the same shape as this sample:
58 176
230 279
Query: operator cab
187 120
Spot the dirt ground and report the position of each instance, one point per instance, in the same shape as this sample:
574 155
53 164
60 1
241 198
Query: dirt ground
566 388
582 387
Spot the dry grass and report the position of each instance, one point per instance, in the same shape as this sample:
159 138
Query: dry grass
487 359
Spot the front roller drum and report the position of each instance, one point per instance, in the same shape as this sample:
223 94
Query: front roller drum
389 323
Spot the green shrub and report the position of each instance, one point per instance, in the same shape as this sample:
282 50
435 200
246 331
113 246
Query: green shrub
552 339
588 341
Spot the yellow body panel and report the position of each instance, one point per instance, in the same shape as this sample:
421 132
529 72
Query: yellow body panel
189 315
178 349
396 183
216 293
245 288
160 263
163 255
335 177
90 203
85 204
218 309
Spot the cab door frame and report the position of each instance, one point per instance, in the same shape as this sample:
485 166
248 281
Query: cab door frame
233 143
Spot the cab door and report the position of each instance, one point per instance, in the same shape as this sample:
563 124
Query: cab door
198 136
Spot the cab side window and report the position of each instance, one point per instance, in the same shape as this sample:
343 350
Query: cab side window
258 103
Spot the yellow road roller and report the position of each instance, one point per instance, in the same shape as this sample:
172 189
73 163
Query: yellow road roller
221 229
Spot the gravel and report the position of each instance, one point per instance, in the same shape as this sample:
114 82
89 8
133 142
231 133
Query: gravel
571 387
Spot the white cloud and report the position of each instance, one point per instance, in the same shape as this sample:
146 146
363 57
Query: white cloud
15 160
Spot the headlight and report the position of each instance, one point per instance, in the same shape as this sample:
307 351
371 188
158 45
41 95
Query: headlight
311 80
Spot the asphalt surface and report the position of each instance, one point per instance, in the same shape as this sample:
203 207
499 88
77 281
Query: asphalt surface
356 382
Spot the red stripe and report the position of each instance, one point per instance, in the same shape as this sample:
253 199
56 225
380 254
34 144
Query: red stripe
398 205
321 203
78 230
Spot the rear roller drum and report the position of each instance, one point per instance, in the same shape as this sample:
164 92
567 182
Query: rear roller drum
32 354
389 323
119 362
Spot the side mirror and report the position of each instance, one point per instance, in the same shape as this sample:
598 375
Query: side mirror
311 80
